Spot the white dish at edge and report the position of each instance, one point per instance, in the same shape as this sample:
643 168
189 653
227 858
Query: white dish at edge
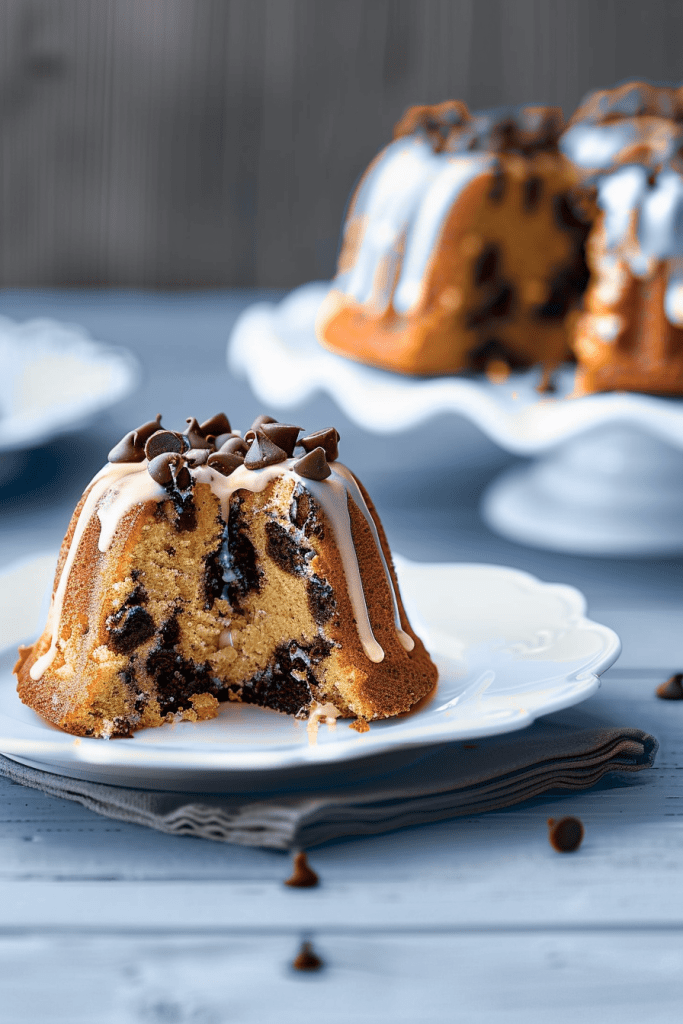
54 378
509 649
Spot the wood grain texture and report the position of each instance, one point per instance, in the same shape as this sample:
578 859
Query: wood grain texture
215 142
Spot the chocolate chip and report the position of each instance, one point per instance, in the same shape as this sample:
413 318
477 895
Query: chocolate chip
313 466
164 441
260 420
498 186
566 214
306 959
565 835
263 452
672 689
183 478
143 433
327 439
284 435
487 265
197 456
126 450
195 434
218 424
234 445
161 468
497 302
531 192
303 876
225 462
220 439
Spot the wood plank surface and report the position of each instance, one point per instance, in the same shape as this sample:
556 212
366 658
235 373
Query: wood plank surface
215 142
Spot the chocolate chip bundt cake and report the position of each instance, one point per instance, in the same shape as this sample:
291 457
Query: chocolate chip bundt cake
202 567
462 247
628 143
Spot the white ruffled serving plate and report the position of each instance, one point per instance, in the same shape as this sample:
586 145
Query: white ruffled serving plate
509 648
607 470
54 378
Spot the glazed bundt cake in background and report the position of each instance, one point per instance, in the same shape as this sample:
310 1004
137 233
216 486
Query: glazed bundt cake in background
202 567
628 142
462 247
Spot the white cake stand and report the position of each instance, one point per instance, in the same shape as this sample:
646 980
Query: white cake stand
606 471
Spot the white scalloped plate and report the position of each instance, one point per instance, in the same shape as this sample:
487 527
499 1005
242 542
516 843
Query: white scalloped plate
274 346
509 648
54 378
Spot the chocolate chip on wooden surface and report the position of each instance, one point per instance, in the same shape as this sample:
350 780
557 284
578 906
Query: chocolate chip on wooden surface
303 876
672 689
565 835
306 959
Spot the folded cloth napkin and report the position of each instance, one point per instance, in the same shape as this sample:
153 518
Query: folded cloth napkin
450 780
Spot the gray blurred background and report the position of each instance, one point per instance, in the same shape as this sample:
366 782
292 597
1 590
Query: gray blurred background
176 143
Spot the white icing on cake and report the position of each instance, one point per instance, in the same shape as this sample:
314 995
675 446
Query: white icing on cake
403 201
644 224
119 487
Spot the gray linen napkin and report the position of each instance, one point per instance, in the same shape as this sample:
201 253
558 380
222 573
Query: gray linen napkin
450 780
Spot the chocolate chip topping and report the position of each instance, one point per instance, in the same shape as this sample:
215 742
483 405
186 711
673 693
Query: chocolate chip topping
218 424
162 467
263 452
284 435
260 420
225 462
164 441
195 434
672 689
144 432
197 456
565 835
234 445
327 439
313 466
303 876
126 450
220 439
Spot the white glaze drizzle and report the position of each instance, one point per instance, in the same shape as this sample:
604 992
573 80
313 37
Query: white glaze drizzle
118 487
626 197
110 477
405 195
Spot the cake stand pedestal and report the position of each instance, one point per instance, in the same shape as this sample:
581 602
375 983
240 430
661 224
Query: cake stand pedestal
612 491
607 470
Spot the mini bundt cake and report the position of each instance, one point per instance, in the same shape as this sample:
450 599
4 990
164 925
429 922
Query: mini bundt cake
628 143
203 567
462 247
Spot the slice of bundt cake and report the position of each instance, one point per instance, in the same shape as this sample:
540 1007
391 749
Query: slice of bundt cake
628 143
462 247
202 567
